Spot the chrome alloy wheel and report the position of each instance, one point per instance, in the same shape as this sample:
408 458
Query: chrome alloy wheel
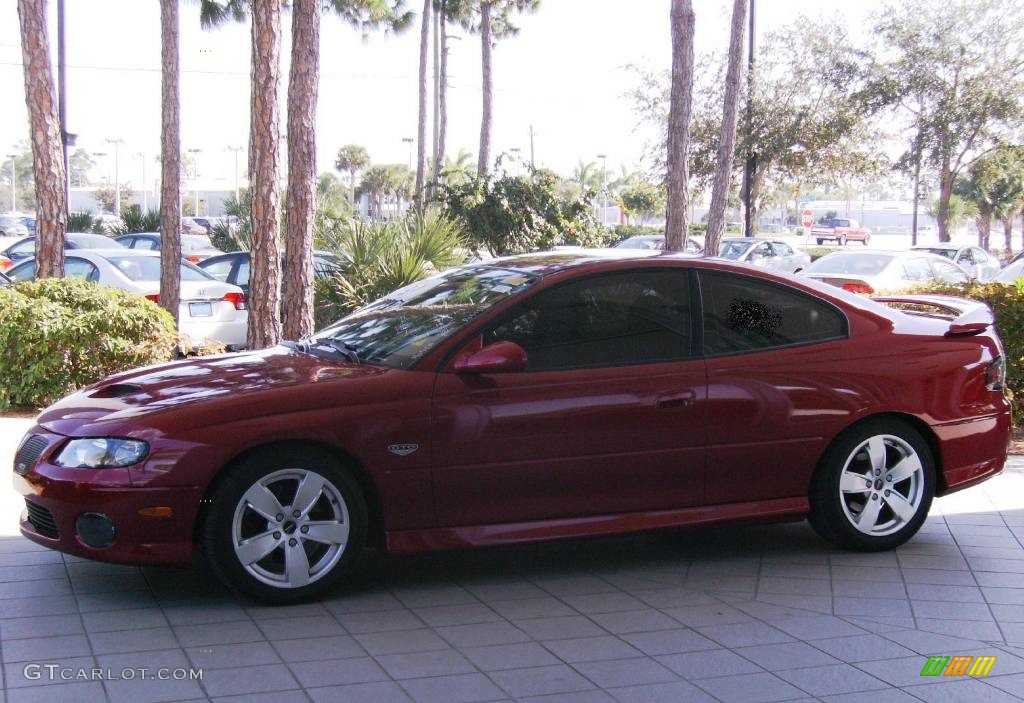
290 528
882 485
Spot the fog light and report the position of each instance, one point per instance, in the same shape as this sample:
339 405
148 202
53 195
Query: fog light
95 529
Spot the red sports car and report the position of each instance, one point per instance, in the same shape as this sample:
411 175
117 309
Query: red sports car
529 398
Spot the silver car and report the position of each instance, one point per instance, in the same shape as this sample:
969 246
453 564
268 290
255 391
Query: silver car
12 226
656 242
770 253
973 259
871 272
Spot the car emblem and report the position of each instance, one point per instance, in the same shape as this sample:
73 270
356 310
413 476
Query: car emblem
403 449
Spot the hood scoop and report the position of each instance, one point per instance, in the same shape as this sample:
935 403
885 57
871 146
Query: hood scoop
116 390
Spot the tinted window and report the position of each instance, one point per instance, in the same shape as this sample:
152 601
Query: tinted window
80 268
782 249
743 314
917 270
636 317
147 268
25 247
733 249
146 244
242 277
219 269
23 272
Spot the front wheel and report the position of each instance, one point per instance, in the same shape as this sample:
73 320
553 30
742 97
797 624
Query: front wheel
874 487
866 240
842 240
285 525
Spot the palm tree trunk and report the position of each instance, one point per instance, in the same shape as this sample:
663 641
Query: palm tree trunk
681 99
170 161
442 93
483 163
727 141
265 283
421 141
984 223
47 154
297 298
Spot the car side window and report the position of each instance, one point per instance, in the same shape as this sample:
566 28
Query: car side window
745 314
782 249
917 270
636 317
146 243
948 272
26 247
980 256
219 269
242 276
80 268
761 251
966 257
23 272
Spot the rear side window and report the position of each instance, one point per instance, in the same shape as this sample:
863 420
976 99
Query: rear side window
948 272
917 270
744 314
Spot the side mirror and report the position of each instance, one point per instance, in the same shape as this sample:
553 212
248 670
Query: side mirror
499 357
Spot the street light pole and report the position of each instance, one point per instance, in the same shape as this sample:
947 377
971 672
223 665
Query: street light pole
117 175
409 141
195 173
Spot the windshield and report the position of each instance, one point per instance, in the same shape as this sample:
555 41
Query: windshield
948 253
399 329
859 264
733 249
147 268
648 243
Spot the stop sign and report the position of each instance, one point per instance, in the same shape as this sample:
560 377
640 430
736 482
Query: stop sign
807 218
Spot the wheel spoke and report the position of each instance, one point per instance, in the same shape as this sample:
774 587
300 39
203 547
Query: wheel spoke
851 482
905 468
869 515
876 451
255 548
309 491
901 506
263 501
296 565
328 532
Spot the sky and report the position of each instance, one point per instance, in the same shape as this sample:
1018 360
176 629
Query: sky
565 74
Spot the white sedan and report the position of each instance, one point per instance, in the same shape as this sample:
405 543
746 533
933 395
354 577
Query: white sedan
209 310
871 272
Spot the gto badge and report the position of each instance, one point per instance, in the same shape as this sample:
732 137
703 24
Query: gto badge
403 449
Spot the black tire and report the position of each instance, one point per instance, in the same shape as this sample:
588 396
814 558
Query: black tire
842 240
828 514
866 240
820 242
217 540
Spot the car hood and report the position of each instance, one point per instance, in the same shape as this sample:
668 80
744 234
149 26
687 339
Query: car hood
209 391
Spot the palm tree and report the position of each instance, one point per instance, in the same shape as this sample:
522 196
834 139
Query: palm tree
47 154
459 170
421 141
375 183
727 140
681 102
170 160
492 19
352 159
303 83
588 176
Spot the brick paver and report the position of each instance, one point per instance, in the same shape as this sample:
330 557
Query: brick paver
745 614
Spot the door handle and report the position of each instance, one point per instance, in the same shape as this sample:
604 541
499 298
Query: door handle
677 399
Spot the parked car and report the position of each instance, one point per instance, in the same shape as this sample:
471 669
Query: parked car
1011 273
12 226
194 247
4 280
656 242
29 222
26 248
840 230
873 271
977 262
769 253
533 397
209 310
190 226
234 267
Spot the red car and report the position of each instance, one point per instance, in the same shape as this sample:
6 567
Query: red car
528 398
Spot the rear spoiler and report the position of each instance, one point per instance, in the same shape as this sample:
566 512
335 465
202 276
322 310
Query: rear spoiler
968 316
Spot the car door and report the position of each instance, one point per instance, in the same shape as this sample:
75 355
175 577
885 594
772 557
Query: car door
771 353
606 418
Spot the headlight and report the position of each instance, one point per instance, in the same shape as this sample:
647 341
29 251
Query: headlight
101 453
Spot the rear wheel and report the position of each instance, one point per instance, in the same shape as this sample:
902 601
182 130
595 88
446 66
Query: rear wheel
285 525
874 486
842 240
820 242
866 240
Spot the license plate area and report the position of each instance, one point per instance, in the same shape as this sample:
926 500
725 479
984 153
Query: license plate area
200 309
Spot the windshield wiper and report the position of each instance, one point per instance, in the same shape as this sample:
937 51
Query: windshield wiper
347 350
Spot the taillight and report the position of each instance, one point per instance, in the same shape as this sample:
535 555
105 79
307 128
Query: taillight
236 299
193 259
862 288
995 374
5 263
155 297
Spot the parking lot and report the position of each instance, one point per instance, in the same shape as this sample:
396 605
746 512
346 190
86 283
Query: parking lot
729 614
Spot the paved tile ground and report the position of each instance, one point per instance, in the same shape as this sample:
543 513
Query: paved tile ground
739 615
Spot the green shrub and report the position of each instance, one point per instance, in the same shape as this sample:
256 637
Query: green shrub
134 220
1007 303
80 222
58 335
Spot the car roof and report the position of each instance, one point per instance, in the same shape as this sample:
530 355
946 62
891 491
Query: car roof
546 263
945 246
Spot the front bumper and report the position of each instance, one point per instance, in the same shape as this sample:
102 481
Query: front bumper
65 494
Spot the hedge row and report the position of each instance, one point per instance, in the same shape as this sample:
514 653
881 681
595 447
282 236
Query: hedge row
58 335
